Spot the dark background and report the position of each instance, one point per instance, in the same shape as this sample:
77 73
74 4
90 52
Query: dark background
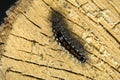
4 6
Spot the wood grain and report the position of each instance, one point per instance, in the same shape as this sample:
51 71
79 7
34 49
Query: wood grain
30 52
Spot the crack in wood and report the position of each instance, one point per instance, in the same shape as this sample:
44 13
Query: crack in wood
94 66
111 77
28 52
58 78
116 25
2 43
32 22
110 34
42 65
23 74
45 35
96 5
33 41
54 49
70 3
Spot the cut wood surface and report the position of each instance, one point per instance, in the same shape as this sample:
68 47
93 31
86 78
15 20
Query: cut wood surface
29 51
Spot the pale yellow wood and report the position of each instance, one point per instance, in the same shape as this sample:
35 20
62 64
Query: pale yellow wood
30 51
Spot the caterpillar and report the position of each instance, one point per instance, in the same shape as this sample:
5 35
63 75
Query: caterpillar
64 37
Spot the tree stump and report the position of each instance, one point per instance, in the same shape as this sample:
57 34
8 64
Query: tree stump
29 50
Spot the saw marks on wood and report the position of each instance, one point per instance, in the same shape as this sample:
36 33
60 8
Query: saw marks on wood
31 52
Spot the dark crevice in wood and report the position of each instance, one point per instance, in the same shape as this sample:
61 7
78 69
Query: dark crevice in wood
33 41
70 3
93 66
110 34
28 52
116 24
54 49
32 22
96 5
57 77
23 74
2 43
45 35
112 77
